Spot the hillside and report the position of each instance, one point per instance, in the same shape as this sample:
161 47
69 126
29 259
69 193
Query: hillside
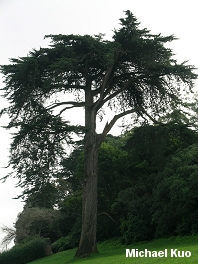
113 252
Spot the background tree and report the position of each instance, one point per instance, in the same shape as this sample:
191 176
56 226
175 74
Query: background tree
176 213
135 201
36 221
134 73
46 197
146 199
9 237
130 168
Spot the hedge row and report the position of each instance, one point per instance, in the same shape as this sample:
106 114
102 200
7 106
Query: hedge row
24 253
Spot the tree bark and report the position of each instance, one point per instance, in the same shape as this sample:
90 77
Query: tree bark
88 243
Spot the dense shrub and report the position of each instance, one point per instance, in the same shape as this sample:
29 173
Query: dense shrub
62 244
68 242
24 253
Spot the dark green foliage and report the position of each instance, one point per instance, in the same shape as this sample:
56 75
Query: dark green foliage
112 166
132 210
63 243
147 187
45 197
106 226
70 222
70 209
175 197
36 150
112 170
70 177
144 209
131 185
24 253
151 62
153 145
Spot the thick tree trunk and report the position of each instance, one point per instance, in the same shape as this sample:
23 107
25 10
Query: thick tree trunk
88 243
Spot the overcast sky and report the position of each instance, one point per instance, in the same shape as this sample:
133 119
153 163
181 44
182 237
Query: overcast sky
24 23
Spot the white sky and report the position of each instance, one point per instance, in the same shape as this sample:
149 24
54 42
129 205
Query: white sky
23 24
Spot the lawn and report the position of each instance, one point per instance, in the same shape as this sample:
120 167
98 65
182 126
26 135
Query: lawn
112 252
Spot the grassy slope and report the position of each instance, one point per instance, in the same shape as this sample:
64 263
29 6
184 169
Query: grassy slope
112 252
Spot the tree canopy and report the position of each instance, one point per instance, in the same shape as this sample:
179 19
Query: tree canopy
134 73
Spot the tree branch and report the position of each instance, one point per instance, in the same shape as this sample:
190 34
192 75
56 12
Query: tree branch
73 103
66 108
104 213
149 116
109 125
103 86
111 96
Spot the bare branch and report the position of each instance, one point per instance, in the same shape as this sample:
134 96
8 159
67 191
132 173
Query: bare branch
73 103
104 213
109 125
10 235
66 108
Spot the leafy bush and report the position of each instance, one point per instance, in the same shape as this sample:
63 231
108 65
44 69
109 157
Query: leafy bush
68 242
133 230
62 244
24 253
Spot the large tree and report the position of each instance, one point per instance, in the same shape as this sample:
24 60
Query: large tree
134 73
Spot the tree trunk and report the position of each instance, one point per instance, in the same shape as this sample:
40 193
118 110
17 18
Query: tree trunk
88 243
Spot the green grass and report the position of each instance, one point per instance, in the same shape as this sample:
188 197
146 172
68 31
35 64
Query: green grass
112 252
